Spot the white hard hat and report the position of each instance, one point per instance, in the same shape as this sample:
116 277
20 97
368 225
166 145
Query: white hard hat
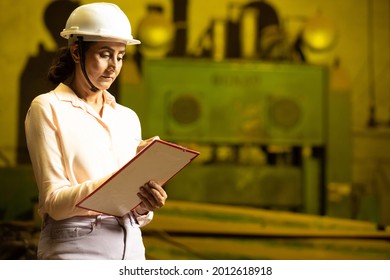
99 22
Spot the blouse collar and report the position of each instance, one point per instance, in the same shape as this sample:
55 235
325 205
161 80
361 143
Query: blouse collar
65 93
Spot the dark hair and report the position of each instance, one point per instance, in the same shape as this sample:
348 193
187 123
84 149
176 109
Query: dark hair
63 65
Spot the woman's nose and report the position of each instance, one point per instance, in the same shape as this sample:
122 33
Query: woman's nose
113 63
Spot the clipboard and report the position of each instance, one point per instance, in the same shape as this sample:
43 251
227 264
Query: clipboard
158 161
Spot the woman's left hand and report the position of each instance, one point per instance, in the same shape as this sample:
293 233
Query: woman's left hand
153 197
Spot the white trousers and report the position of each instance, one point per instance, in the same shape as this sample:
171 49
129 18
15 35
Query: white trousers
91 238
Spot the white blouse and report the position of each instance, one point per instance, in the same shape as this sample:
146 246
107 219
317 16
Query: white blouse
73 150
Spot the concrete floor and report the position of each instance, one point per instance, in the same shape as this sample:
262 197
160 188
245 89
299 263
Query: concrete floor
183 230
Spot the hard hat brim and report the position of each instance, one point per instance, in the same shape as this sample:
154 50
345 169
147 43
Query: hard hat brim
72 36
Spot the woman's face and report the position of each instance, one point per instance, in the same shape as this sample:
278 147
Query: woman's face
103 62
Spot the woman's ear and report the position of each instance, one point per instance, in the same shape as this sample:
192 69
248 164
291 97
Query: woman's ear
74 51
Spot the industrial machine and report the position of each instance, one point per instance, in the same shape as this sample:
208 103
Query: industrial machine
262 127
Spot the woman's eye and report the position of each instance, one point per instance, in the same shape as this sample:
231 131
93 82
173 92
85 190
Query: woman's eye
112 56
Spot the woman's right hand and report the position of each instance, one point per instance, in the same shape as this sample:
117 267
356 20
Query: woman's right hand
146 142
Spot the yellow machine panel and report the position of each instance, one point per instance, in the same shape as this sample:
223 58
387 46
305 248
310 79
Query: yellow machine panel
236 102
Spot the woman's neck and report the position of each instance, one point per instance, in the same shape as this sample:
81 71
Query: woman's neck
93 99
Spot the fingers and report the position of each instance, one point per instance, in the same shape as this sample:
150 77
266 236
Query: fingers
153 196
154 138
150 140
141 145
144 143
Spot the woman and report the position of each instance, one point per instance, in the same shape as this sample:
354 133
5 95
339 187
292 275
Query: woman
77 136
